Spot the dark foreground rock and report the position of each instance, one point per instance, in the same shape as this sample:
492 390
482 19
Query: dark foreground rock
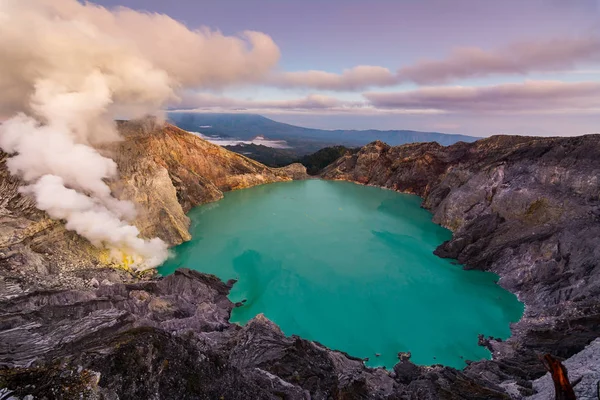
525 208
171 339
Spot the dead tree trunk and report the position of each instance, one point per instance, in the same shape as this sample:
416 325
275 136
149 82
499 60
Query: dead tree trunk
562 387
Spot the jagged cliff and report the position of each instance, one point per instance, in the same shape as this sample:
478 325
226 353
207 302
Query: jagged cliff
166 171
525 208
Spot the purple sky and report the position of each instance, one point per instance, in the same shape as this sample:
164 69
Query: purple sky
467 66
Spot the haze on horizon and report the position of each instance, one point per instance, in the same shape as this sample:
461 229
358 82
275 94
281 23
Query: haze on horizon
468 66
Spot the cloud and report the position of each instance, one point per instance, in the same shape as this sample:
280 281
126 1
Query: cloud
514 98
463 63
357 78
530 96
311 104
70 37
519 58
314 102
259 141
68 69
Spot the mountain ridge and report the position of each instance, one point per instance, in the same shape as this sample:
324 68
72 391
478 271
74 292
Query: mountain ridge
248 126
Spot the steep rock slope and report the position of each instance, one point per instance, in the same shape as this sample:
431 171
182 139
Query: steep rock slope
164 170
525 208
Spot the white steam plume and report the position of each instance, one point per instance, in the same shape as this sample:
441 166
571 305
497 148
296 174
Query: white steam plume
68 69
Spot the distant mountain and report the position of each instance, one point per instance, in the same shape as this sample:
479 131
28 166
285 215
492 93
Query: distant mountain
303 140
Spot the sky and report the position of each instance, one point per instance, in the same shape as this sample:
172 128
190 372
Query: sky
474 67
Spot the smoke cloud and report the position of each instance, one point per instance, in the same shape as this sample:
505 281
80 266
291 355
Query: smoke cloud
67 70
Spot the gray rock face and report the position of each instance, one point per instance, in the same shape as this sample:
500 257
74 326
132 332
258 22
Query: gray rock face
170 339
525 208
584 365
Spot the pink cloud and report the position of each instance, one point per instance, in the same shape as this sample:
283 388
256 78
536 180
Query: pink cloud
466 62
519 58
357 78
310 102
530 96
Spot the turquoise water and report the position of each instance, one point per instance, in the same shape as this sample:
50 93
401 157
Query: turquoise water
349 266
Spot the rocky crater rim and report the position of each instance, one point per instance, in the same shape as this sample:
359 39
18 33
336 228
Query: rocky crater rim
189 255
524 208
499 278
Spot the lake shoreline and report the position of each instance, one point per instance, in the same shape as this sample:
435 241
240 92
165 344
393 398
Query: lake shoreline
373 249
